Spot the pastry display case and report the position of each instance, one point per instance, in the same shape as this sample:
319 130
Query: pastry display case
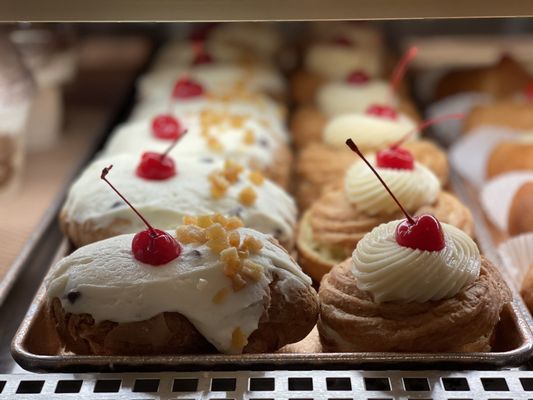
191 222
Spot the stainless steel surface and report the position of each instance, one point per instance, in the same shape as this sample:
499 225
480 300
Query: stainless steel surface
281 385
255 10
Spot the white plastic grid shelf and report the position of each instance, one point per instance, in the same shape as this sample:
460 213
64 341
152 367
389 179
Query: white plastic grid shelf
279 385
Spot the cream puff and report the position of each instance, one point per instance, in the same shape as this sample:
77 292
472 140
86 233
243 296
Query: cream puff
166 189
331 228
393 298
210 286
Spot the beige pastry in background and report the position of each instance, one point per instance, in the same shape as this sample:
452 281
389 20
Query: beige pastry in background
521 212
510 156
504 79
516 115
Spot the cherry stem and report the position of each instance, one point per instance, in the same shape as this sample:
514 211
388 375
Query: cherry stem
103 176
353 147
426 124
400 69
172 145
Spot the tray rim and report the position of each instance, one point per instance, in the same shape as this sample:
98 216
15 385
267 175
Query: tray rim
58 363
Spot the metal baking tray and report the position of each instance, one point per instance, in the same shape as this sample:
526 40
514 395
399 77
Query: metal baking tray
36 347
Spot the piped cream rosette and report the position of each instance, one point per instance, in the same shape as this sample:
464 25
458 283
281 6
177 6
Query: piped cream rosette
225 296
413 188
396 273
337 98
215 78
370 132
92 212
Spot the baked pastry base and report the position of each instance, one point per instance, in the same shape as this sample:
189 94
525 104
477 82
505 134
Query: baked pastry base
172 333
350 321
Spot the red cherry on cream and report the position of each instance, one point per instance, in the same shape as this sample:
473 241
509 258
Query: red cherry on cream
358 78
186 88
151 246
155 167
155 247
158 166
382 111
423 232
395 158
166 127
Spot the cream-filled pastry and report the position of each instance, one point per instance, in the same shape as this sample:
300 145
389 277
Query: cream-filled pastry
224 287
390 297
262 108
216 78
333 225
211 133
408 281
189 186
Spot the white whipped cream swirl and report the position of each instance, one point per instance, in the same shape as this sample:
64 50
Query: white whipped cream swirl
395 273
413 188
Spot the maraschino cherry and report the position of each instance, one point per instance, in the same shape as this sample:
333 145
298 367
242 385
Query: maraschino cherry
200 54
157 166
386 111
166 127
187 88
423 232
357 77
151 246
399 158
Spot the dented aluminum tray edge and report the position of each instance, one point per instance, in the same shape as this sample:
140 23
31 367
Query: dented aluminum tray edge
71 362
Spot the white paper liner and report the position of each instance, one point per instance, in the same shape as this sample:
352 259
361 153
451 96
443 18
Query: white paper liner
469 155
497 196
517 257
448 131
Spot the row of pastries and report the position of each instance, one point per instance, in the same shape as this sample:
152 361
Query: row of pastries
203 222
